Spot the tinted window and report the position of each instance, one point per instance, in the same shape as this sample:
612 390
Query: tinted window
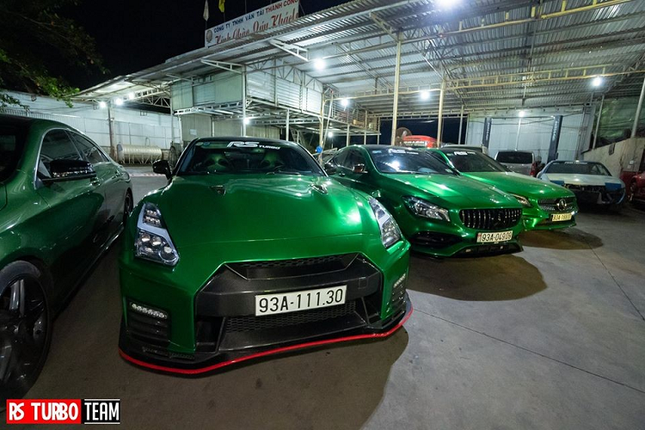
473 161
407 161
12 140
353 159
246 157
339 158
88 149
578 168
515 157
57 145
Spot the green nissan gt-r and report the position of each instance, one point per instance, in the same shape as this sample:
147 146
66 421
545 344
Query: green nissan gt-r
545 206
251 249
63 202
440 212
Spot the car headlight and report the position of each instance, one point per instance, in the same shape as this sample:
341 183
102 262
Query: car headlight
390 233
153 241
425 209
525 202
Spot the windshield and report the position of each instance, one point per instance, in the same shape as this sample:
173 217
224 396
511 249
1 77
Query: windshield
515 157
473 161
207 157
407 161
578 168
12 140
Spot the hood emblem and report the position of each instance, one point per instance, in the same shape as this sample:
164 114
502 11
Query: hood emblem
321 188
561 205
219 189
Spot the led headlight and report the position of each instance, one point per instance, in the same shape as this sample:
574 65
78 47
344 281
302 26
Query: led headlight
425 209
523 200
153 241
390 233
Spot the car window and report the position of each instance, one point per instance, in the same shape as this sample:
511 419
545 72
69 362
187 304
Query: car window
11 147
571 167
57 145
205 157
473 161
353 159
398 160
338 159
515 157
88 149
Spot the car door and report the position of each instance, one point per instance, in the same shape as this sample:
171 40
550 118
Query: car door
111 185
72 217
352 178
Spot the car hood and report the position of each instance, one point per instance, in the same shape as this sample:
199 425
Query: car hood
458 191
577 179
3 196
208 209
522 185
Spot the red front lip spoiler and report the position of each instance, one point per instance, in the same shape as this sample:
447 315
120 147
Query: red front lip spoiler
265 353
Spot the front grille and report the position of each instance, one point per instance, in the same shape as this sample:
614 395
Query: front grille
152 330
586 188
292 268
551 205
490 219
253 323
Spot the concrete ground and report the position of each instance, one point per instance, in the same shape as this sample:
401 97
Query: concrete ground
551 338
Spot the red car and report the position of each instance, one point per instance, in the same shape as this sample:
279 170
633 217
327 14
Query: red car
637 188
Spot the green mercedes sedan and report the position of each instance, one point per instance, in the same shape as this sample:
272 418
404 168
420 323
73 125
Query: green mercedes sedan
62 203
441 212
250 250
545 206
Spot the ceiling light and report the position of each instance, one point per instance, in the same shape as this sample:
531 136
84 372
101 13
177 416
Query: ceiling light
130 96
247 121
425 95
521 114
319 64
102 105
447 3
330 134
118 101
344 102
597 81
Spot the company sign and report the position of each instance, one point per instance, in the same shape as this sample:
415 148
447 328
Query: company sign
271 16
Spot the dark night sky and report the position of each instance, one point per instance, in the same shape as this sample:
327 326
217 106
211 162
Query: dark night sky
132 35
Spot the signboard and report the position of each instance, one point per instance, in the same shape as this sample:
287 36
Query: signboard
273 15
488 124
555 138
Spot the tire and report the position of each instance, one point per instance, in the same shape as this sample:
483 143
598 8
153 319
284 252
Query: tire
633 189
25 328
128 204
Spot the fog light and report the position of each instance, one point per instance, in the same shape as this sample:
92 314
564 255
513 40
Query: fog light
144 310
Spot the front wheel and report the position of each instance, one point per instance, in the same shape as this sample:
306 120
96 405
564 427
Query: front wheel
25 328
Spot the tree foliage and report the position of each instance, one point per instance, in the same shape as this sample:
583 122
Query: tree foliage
37 46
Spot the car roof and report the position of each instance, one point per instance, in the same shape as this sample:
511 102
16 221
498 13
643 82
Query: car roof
248 139
515 151
23 121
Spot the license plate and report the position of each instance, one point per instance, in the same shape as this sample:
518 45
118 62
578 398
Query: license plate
501 236
269 304
561 217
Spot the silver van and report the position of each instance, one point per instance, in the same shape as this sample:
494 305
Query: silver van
517 161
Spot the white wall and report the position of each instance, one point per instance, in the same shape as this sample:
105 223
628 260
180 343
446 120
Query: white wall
535 131
131 126
619 157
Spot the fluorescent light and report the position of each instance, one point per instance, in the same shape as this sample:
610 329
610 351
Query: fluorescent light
447 3
118 101
597 81
521 114
319 64
130 96
330 134
247 121
425 95
344 102
102 105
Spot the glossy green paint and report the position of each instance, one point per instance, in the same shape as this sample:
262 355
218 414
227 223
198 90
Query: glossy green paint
534 217
64 226
258 218
452 192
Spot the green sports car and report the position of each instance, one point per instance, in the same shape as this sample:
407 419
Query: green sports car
440 212
546 206
62 203
251 249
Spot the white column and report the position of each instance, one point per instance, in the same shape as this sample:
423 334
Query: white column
347 138
461 122
595 133
440 115
397 81
244 102
288 137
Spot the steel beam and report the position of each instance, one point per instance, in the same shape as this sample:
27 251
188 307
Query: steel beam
397 82
440 115
638 110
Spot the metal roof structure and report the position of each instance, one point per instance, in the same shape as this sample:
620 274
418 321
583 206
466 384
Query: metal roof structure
485 54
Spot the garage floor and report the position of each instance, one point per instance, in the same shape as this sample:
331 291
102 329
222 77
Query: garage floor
552 338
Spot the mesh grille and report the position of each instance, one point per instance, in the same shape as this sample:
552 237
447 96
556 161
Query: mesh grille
490 219
290 268
299 262
153 330
551 205
252 323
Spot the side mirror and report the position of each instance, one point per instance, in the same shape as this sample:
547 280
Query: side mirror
69 170
330 168
162 167
360 168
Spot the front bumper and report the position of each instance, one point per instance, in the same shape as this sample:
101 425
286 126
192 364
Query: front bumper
219 326
538 219
598 195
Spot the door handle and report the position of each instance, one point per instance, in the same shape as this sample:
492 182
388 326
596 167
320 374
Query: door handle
341 174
